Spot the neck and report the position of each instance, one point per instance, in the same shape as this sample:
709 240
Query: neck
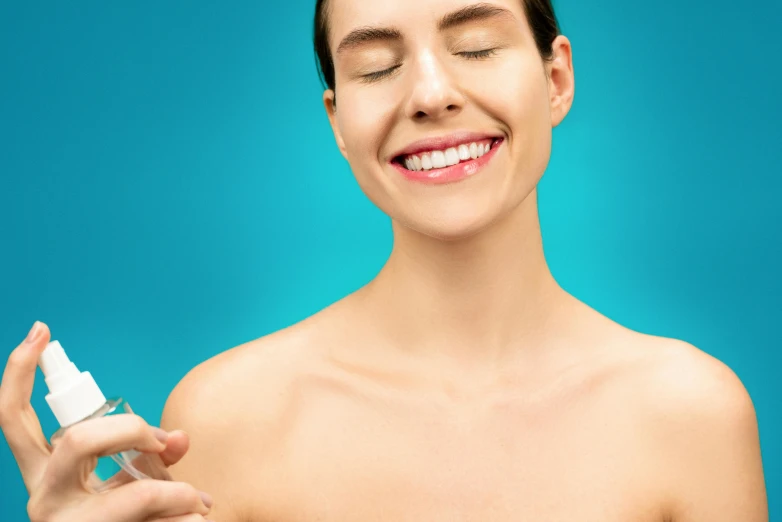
480 299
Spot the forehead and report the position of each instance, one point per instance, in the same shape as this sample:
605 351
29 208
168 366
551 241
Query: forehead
346 15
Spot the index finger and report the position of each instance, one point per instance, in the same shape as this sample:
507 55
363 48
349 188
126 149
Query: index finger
18 420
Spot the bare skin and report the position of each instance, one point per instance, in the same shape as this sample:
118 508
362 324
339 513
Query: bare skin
462 383
311 424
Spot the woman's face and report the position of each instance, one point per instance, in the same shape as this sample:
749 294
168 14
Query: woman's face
415 78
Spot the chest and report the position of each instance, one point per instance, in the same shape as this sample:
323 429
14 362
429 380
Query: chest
500 460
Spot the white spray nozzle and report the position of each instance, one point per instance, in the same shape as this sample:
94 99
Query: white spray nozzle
73 395
56 367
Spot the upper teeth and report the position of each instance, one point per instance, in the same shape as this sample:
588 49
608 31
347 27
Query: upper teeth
438 159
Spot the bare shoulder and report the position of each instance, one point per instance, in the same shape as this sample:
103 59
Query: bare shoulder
218 391
681 383
667 377
234 407
701 427
253 382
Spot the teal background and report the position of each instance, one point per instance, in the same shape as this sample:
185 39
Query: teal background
170 187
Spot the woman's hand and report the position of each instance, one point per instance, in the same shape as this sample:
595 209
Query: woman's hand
57 479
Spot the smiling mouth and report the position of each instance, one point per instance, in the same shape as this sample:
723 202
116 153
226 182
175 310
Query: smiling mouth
440 159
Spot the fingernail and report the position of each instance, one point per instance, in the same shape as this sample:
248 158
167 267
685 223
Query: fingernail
33 333
207 499
161 435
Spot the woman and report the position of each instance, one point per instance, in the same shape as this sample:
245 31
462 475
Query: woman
462 383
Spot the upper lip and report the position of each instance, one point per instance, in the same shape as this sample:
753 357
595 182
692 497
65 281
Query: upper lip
444 142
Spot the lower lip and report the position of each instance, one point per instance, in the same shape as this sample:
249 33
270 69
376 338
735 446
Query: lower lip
458 172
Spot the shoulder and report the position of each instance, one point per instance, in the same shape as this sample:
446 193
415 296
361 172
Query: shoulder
682 384
677 391
234 408
667 378
699 422
257 384
249 380
238 399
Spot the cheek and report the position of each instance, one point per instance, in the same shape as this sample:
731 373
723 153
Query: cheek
365 121
366 118
516 94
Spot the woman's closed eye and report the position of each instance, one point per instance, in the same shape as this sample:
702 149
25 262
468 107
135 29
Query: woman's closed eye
470 55
375 76
477 55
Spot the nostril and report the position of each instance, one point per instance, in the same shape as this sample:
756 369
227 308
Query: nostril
422 114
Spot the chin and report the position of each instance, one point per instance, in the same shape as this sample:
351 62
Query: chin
455 225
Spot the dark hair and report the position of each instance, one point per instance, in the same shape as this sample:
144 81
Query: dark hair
540 15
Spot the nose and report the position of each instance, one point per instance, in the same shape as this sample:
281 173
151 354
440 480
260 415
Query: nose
434 94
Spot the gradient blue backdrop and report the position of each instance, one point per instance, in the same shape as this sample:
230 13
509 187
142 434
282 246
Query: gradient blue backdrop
171 188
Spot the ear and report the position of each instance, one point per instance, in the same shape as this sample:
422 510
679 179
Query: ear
330 103
561 80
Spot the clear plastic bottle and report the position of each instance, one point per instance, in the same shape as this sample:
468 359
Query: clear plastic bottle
75 397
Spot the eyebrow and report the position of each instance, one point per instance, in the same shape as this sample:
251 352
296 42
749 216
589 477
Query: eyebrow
470 13
363 35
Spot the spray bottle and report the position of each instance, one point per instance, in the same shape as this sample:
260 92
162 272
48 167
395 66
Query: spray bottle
75 397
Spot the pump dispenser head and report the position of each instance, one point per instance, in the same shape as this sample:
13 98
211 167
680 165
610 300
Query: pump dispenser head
73 395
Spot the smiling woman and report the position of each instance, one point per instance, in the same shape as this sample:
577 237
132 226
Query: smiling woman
420 97
462 382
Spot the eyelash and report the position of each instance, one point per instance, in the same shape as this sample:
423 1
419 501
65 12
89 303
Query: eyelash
477 55
375 76
470 55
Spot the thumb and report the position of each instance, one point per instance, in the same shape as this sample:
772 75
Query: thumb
176 446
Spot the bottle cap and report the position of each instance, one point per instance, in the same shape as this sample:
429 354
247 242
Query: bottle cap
73 395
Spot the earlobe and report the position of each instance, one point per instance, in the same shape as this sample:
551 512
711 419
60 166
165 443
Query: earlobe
561 80
330 104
